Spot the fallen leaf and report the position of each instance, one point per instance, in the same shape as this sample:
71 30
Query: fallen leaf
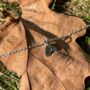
65 69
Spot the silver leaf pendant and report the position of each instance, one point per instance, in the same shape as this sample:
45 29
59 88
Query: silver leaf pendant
49 50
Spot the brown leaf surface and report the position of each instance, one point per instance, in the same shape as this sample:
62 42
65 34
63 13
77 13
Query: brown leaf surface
12 37
65 69
68 67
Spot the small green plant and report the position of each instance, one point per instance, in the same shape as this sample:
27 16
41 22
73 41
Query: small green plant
8 80
87 40
54 3
80 8
9 9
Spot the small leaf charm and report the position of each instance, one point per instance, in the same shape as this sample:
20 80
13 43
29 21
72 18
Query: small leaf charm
49 50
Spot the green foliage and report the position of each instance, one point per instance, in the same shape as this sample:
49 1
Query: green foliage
88 88
80 8
8 80
87 40
9 9
54 3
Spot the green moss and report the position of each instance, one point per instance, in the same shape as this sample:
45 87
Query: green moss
80 8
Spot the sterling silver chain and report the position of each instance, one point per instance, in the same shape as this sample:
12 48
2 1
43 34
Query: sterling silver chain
46 41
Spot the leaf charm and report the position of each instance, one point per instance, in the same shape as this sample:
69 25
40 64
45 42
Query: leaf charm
49 50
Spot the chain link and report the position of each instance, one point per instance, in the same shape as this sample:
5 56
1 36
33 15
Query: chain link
46 41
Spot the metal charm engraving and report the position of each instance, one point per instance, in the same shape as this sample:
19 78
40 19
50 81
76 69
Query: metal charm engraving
49 50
